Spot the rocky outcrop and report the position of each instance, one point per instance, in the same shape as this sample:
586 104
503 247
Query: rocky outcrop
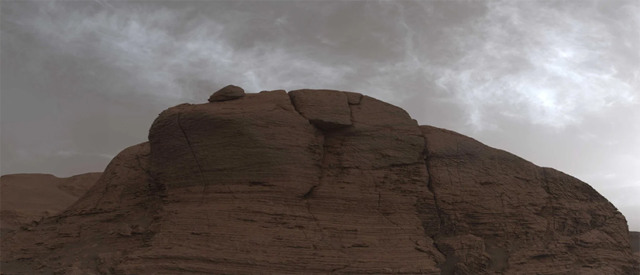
318 181
529 220
27 198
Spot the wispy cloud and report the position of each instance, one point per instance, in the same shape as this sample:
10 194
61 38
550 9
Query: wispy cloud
172 64
544 64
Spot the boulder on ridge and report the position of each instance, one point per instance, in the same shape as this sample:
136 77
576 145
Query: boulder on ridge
229 92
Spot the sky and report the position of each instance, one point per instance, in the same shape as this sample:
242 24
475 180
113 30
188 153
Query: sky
555 82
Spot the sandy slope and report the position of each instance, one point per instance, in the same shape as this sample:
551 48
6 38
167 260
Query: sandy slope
28 197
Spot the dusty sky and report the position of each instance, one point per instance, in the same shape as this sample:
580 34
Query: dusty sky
555 82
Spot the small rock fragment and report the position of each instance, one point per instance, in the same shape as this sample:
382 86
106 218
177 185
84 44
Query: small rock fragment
229 92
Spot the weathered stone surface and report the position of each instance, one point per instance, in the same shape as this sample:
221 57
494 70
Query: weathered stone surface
326 109
280 183
229 92
353 98
288 189
533 220
25 198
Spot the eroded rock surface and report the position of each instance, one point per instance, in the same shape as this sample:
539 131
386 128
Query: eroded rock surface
530 220
325 109
319 181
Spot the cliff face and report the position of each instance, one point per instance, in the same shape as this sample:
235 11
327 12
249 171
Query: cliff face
319 181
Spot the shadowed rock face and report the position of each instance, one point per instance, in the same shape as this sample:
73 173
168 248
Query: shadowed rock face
635 243
319 181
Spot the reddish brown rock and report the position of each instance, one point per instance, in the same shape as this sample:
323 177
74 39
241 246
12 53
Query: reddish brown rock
269 183
532 220
325 109
282 186
229 92
353 98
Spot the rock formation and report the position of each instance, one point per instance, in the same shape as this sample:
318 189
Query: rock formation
319 181
27 198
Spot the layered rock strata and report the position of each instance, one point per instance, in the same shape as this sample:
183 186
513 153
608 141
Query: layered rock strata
320 181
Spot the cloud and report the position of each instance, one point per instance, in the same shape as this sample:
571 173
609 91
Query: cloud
171 53
547 63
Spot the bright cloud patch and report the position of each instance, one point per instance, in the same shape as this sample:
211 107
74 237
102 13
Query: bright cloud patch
167 62
547 65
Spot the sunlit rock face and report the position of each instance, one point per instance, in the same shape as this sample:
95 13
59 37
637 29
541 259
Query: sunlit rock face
320 181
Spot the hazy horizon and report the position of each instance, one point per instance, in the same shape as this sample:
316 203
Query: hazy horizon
554 82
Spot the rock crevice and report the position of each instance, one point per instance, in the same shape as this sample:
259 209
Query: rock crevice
441 222
193 154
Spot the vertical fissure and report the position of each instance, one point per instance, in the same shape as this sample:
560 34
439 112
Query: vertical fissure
430 181
321 169
293 104
155 187
351 113
549 206
195 158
